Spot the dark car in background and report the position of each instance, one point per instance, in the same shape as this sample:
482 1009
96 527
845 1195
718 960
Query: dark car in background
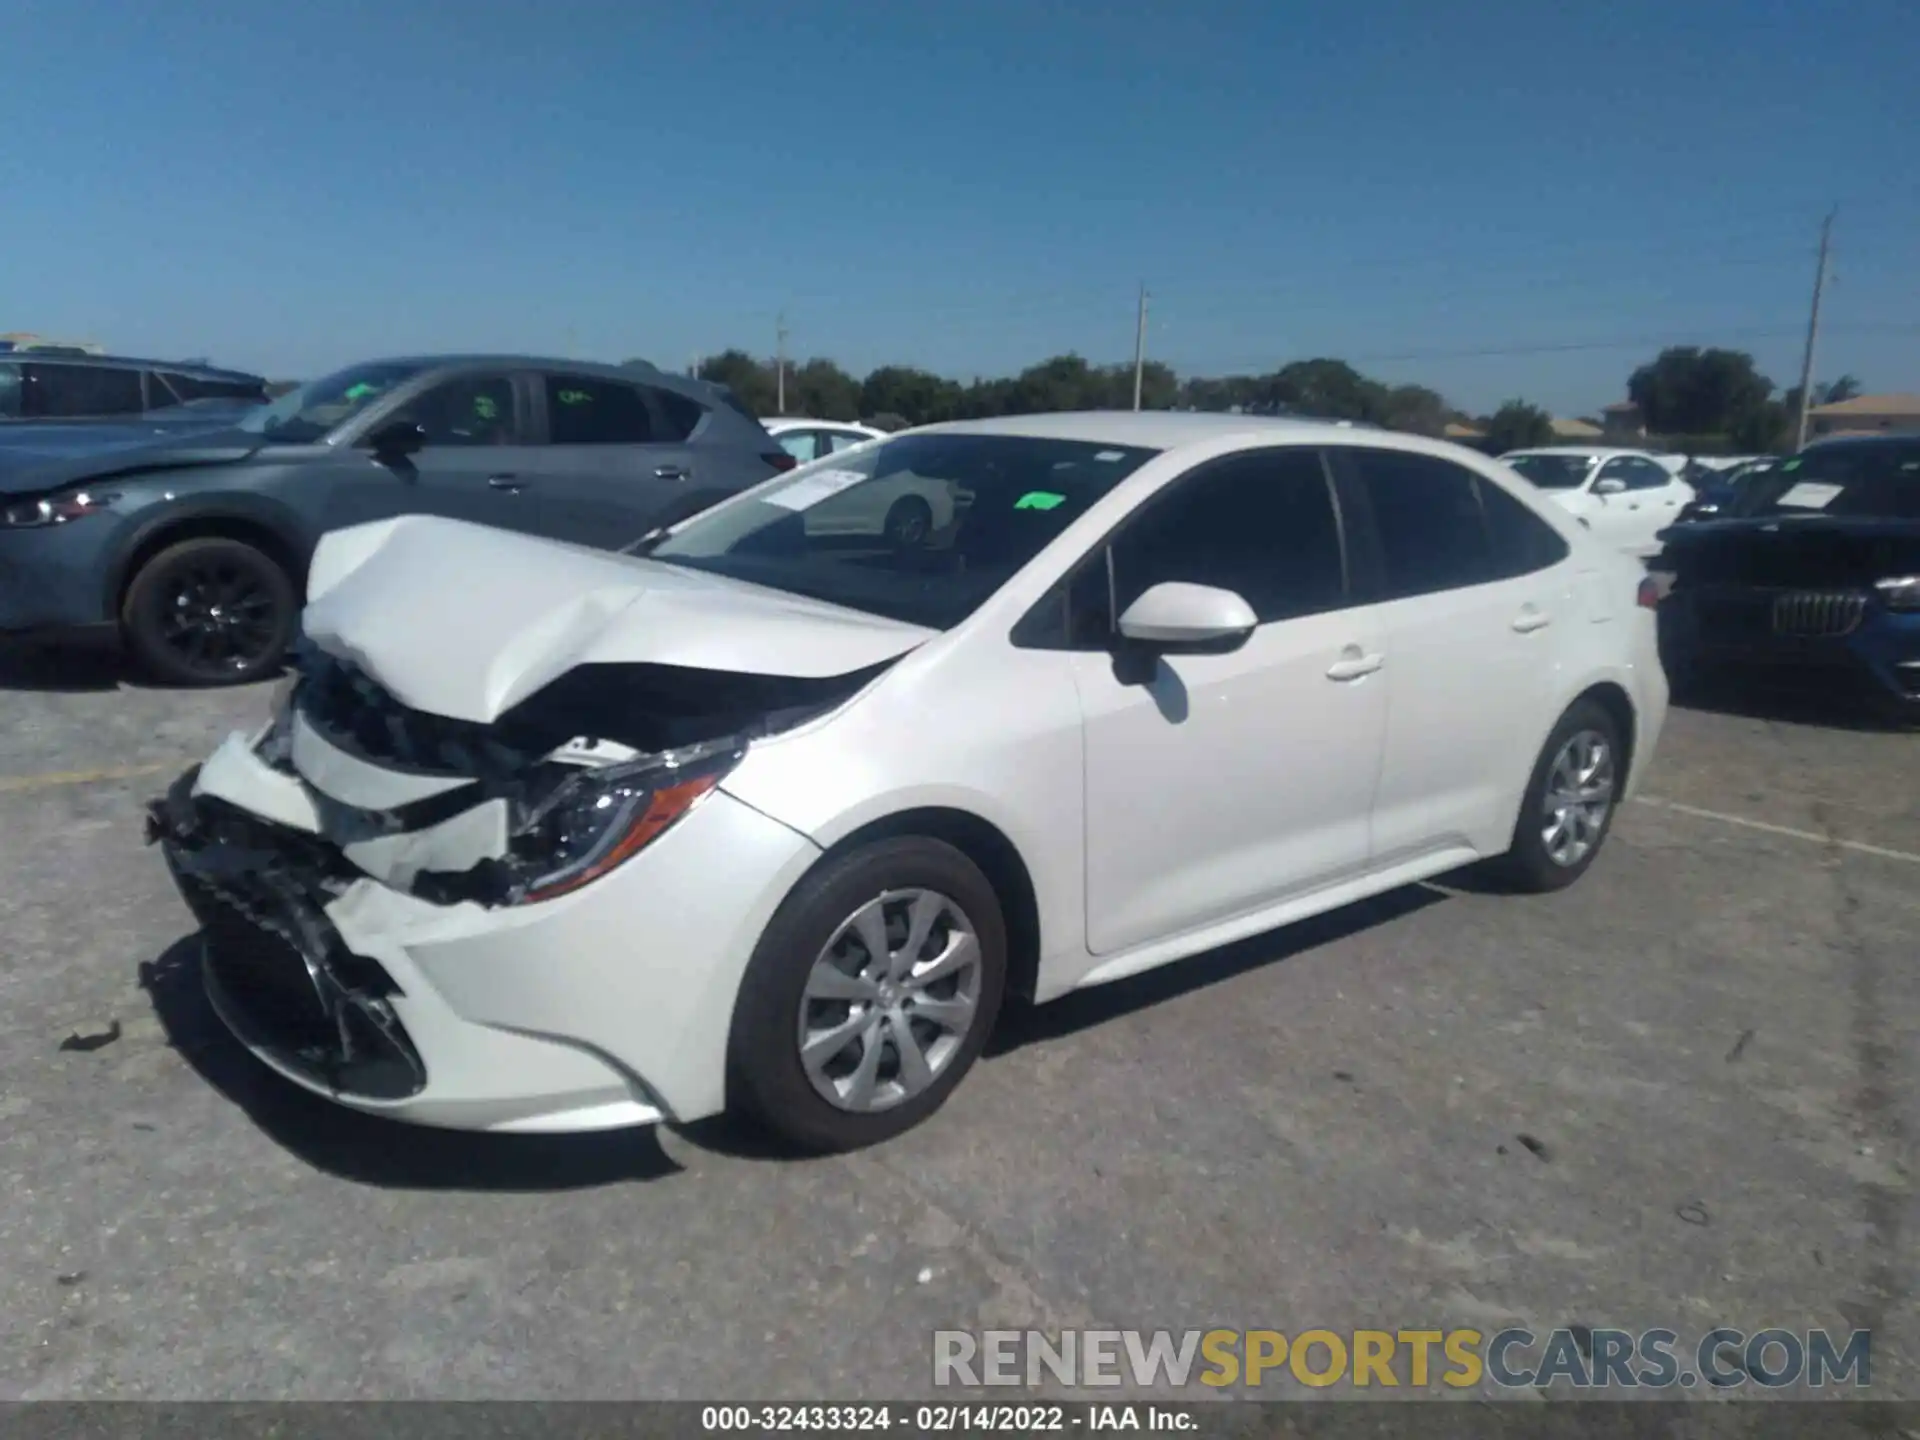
1716 492
38 387
1812 575
191 549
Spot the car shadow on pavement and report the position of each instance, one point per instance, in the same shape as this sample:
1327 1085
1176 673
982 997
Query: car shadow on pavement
1840 707
31 668
1023 1023
368 1150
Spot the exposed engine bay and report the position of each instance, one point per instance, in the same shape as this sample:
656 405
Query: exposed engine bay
558 789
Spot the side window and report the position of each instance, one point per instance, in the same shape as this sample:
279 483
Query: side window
84 390
676 417
466 410
1647 475
194 387
1619 468
11 400
586 410
838 440
1426 512
1522 541
802 445
1262 525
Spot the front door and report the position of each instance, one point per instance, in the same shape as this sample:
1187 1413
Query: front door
1221 784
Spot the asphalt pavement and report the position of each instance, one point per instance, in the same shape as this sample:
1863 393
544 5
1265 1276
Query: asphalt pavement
1681 1094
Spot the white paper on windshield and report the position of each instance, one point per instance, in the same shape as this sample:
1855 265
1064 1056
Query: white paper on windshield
810 490
1809 495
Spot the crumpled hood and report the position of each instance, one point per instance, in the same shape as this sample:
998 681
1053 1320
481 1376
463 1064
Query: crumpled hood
466 621
34 461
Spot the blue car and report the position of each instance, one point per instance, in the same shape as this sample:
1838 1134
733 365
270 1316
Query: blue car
1813 576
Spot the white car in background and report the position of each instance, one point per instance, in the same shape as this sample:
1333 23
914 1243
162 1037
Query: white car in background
907 511
550 839
1626 497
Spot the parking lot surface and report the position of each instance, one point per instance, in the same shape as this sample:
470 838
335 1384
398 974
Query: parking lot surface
1681 1094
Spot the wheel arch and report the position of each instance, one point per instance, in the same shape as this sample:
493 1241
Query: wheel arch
1612 697
999 859
271 537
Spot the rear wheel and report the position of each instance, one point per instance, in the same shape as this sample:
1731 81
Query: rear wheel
209 611
1570 801
909 522
869 996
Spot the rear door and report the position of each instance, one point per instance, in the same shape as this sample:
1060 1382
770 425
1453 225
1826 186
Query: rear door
1473 595
615 459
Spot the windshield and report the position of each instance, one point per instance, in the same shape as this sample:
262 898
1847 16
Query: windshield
1870 480
1552 472
920 529
318 407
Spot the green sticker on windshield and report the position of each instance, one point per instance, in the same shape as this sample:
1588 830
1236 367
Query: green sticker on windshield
360 391
1791 465
485 408
1039 500
574 397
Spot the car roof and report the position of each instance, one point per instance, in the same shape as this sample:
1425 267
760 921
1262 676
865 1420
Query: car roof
790 422
630 372
1171 429
1596 452
121 362
1892 437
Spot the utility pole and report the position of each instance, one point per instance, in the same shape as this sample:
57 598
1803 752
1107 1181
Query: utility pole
1140 346
780 365
1813 334
693 367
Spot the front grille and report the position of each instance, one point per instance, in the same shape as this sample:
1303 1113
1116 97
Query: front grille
1818 614
358 715
262 971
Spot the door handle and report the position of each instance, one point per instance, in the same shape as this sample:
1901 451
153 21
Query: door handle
513 484
671 472
1530 620
1353 666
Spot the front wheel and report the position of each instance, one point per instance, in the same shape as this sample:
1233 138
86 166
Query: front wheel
909 522
209 611
1570 801
869 996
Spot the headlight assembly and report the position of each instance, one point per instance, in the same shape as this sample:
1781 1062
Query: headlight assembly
596 819
53 509
1900 592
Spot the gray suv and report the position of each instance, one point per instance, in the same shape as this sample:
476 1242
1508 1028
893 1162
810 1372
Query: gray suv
192 552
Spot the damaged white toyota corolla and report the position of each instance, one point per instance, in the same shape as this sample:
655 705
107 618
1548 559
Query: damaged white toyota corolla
771 812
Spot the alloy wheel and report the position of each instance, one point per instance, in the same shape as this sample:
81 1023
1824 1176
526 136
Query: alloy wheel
218 617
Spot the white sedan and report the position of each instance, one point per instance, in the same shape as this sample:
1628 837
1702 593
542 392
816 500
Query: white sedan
1626 497
907 510
550 839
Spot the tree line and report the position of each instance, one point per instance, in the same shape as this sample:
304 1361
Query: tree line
1710 399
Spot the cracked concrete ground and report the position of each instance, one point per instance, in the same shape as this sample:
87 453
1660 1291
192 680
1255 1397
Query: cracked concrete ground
1682 1094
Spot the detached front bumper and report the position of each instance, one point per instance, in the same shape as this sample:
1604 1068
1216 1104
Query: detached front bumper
607 1007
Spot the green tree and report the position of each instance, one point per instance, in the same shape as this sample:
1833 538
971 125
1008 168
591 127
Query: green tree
919 396
1330 390
1517 425
1766 428
1847 387
1689 391
750 380
821 390
1415 409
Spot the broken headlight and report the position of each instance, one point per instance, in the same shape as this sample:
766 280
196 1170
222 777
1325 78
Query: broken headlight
596 819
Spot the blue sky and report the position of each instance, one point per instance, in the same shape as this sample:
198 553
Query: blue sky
971 186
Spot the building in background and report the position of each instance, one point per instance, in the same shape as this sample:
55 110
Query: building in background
19 340
1871 414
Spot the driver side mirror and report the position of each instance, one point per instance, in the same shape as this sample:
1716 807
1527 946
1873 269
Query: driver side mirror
398 439
1609 487
1178 618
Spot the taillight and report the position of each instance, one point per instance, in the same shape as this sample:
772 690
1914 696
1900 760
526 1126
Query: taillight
1649 596
780 460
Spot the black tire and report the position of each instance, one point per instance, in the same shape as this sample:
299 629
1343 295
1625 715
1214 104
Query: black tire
767 1083
243 605
1529 865
909 522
